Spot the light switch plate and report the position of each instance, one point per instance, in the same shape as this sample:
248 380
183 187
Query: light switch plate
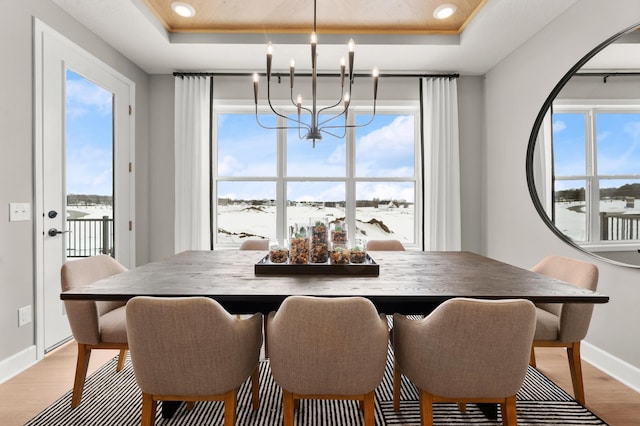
19 212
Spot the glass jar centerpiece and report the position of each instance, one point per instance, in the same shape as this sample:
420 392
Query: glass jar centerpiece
319 243
299 245
340 254
358 253
278 253
339 232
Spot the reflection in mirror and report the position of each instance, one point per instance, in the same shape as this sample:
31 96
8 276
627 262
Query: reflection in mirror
583 162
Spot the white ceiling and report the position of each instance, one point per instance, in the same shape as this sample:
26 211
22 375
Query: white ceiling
498 29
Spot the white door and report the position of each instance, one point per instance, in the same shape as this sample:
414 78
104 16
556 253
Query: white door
93 161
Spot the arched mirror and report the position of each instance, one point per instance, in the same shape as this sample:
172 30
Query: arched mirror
583 158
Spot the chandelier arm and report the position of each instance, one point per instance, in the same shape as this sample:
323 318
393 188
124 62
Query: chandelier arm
343 112
281 127
324 130
329 107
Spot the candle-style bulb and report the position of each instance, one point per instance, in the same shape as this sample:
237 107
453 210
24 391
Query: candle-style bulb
342 68
269 55
352 47
256 78
292 72
375 73
314 38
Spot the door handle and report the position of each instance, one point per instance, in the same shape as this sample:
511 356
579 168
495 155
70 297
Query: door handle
53 232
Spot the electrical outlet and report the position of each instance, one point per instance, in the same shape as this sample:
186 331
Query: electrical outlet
24 316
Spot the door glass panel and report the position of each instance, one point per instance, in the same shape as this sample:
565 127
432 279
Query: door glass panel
89 167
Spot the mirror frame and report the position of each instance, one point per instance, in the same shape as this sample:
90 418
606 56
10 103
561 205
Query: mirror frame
534 136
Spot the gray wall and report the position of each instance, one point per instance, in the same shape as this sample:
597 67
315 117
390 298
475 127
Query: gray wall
16 168
515 91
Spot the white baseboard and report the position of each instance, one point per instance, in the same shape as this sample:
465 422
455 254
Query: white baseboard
620 370
17 363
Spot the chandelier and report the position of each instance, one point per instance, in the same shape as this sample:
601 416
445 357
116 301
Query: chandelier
312 127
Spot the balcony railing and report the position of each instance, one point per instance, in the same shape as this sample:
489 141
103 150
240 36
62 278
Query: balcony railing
619 226
89 237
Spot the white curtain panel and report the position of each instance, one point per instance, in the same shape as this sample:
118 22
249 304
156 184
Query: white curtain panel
192 117
441 164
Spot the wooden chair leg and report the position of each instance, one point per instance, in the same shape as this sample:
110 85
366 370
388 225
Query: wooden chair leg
255 388
426 408
287 408
462 406
575 366
532 358
369 405
148 410
191 405
230 401
121 359
509 412
397 386
264 330
82 364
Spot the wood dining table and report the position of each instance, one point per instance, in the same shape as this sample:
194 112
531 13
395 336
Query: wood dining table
407 282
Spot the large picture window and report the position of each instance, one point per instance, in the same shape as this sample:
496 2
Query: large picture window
267 181
596 165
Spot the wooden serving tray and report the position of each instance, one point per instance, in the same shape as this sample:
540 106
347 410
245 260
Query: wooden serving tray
368 268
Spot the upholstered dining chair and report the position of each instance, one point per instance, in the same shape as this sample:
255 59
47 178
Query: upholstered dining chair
95 325
565 324
384 245
254 245
466 350
191 349
327 348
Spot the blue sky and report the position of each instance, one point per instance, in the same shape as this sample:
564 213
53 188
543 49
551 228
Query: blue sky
89 137
385 148
618 146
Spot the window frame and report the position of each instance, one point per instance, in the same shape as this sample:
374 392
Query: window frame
281 179
590 108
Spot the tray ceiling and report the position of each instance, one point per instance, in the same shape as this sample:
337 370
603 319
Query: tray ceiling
333 16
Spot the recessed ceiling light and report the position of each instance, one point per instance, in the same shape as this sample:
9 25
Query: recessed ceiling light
444 10
183 9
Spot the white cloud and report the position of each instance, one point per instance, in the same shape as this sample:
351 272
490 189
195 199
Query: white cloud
559 126
83 96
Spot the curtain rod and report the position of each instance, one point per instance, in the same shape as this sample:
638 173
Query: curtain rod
606 75
279 75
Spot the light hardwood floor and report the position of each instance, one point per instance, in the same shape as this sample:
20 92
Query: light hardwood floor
30 392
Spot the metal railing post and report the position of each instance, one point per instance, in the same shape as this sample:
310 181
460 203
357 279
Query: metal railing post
105 234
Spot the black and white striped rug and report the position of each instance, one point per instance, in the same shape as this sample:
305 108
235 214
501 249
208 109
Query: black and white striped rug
113 398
